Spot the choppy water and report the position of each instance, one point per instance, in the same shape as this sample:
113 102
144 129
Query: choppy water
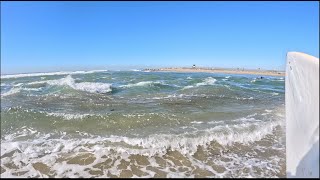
142 124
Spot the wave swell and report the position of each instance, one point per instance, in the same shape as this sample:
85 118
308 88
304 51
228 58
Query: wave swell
82 86
48 74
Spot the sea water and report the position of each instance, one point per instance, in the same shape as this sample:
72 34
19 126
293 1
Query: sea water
142 124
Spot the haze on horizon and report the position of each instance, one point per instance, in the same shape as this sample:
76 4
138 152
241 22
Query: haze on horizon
68 36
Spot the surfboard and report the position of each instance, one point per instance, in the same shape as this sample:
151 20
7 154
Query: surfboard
302 115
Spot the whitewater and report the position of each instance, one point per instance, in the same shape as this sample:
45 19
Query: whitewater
142 124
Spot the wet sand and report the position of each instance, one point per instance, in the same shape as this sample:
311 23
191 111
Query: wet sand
220 70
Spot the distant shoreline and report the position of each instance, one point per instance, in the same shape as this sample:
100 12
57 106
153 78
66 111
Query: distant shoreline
220 70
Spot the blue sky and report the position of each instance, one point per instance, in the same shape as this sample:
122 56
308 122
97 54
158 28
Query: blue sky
51 36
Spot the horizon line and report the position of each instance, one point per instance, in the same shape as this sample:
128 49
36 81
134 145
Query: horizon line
140 68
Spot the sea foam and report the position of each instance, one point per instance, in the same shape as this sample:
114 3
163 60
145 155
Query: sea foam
206 81
11 92
154 144
92 87
48 74
143 83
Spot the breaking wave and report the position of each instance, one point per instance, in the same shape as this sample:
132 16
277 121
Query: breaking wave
11 92
48 74
205 82
49 150
144 84
92 87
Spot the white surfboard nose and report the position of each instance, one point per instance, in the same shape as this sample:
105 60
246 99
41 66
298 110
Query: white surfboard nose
302 115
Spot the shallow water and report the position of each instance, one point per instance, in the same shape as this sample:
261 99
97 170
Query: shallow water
142 124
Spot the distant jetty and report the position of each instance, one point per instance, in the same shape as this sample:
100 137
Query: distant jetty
219 70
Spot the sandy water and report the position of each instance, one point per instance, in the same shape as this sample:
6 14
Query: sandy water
142 124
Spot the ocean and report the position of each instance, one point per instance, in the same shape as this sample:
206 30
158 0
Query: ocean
142 124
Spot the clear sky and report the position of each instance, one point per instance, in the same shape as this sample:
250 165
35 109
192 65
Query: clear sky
51 36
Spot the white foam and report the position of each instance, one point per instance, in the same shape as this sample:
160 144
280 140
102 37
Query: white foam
196 122
47 149
11 92
93 87
153 144
243 98
83 86
159 143
252 81
243 120
68 116
3 84
268 167
38 82
188 87
48 74
207 81
32 89
17 85
142 83
177 96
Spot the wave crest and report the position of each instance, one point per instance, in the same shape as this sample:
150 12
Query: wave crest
91 87
48 74
143 83
11 92
186 143
205 82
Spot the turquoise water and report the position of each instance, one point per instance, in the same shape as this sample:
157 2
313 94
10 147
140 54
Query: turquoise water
142 124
